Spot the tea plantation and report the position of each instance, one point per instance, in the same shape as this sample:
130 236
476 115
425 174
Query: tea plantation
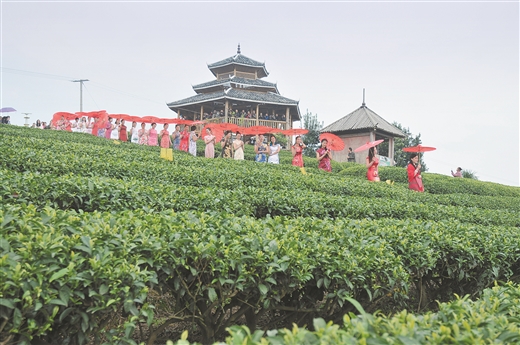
106 243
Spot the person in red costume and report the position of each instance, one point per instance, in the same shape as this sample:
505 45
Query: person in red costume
414 173
123 134
297 150
372 162
323 156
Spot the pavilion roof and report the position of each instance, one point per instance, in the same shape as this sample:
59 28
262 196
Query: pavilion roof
236 80
235 94
239 59
360 119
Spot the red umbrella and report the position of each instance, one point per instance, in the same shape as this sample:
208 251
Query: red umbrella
335 143
419 149
255 130
295 131
229 127
368 145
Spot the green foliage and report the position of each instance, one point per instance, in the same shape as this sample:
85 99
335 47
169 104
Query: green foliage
91 230
402 158
312 138
491 320
466 173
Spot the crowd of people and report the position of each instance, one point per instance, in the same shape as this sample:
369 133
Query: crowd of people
250 114
185 139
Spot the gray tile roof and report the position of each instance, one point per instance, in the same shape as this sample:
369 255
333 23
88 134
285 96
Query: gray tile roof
362 118
235 80
238 59
234 94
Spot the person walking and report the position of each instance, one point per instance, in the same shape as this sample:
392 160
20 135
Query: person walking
414 173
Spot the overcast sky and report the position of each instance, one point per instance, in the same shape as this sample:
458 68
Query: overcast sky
446 70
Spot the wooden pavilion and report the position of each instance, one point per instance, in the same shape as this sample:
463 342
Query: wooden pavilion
359 127
238 95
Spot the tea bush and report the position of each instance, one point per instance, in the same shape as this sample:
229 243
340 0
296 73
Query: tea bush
90 230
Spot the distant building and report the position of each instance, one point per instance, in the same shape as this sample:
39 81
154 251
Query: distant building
359 127
239 95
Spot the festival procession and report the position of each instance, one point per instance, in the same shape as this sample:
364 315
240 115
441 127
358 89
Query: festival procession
240 108
225 140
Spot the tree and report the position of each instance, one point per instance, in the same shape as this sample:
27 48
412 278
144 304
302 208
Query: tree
402 158
311 139
466 173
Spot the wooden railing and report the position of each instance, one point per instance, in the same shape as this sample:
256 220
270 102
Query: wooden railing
242 122
282 125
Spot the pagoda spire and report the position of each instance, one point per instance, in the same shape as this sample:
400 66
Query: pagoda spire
238 50
363 104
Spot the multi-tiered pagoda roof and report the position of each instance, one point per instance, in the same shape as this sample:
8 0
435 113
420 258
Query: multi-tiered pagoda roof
239 88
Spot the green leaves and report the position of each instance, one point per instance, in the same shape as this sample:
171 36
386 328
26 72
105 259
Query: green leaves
90 229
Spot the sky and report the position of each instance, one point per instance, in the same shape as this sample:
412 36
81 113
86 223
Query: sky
446 70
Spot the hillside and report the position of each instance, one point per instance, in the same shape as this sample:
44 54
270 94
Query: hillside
105 242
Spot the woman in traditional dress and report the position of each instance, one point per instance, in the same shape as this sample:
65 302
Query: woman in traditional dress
176 137
193 141
238 147
166 142
372 161
297 150
143 135
185 137
152 135
114 135
75 125
61 124
274 149
209 140
134 133
414 173
123 134
227 146
108 128
261 149
82 127
323 156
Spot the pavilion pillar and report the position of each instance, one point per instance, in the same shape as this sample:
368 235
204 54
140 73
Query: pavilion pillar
287 114
372 136
201 112
287 123
257 123
391 151
179 114
226 107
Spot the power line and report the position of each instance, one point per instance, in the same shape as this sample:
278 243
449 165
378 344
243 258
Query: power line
42 75
60 77
93 100
125 93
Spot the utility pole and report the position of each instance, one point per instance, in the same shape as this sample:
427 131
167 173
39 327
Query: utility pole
80 81
26 117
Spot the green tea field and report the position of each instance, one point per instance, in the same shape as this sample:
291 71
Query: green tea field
106 243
